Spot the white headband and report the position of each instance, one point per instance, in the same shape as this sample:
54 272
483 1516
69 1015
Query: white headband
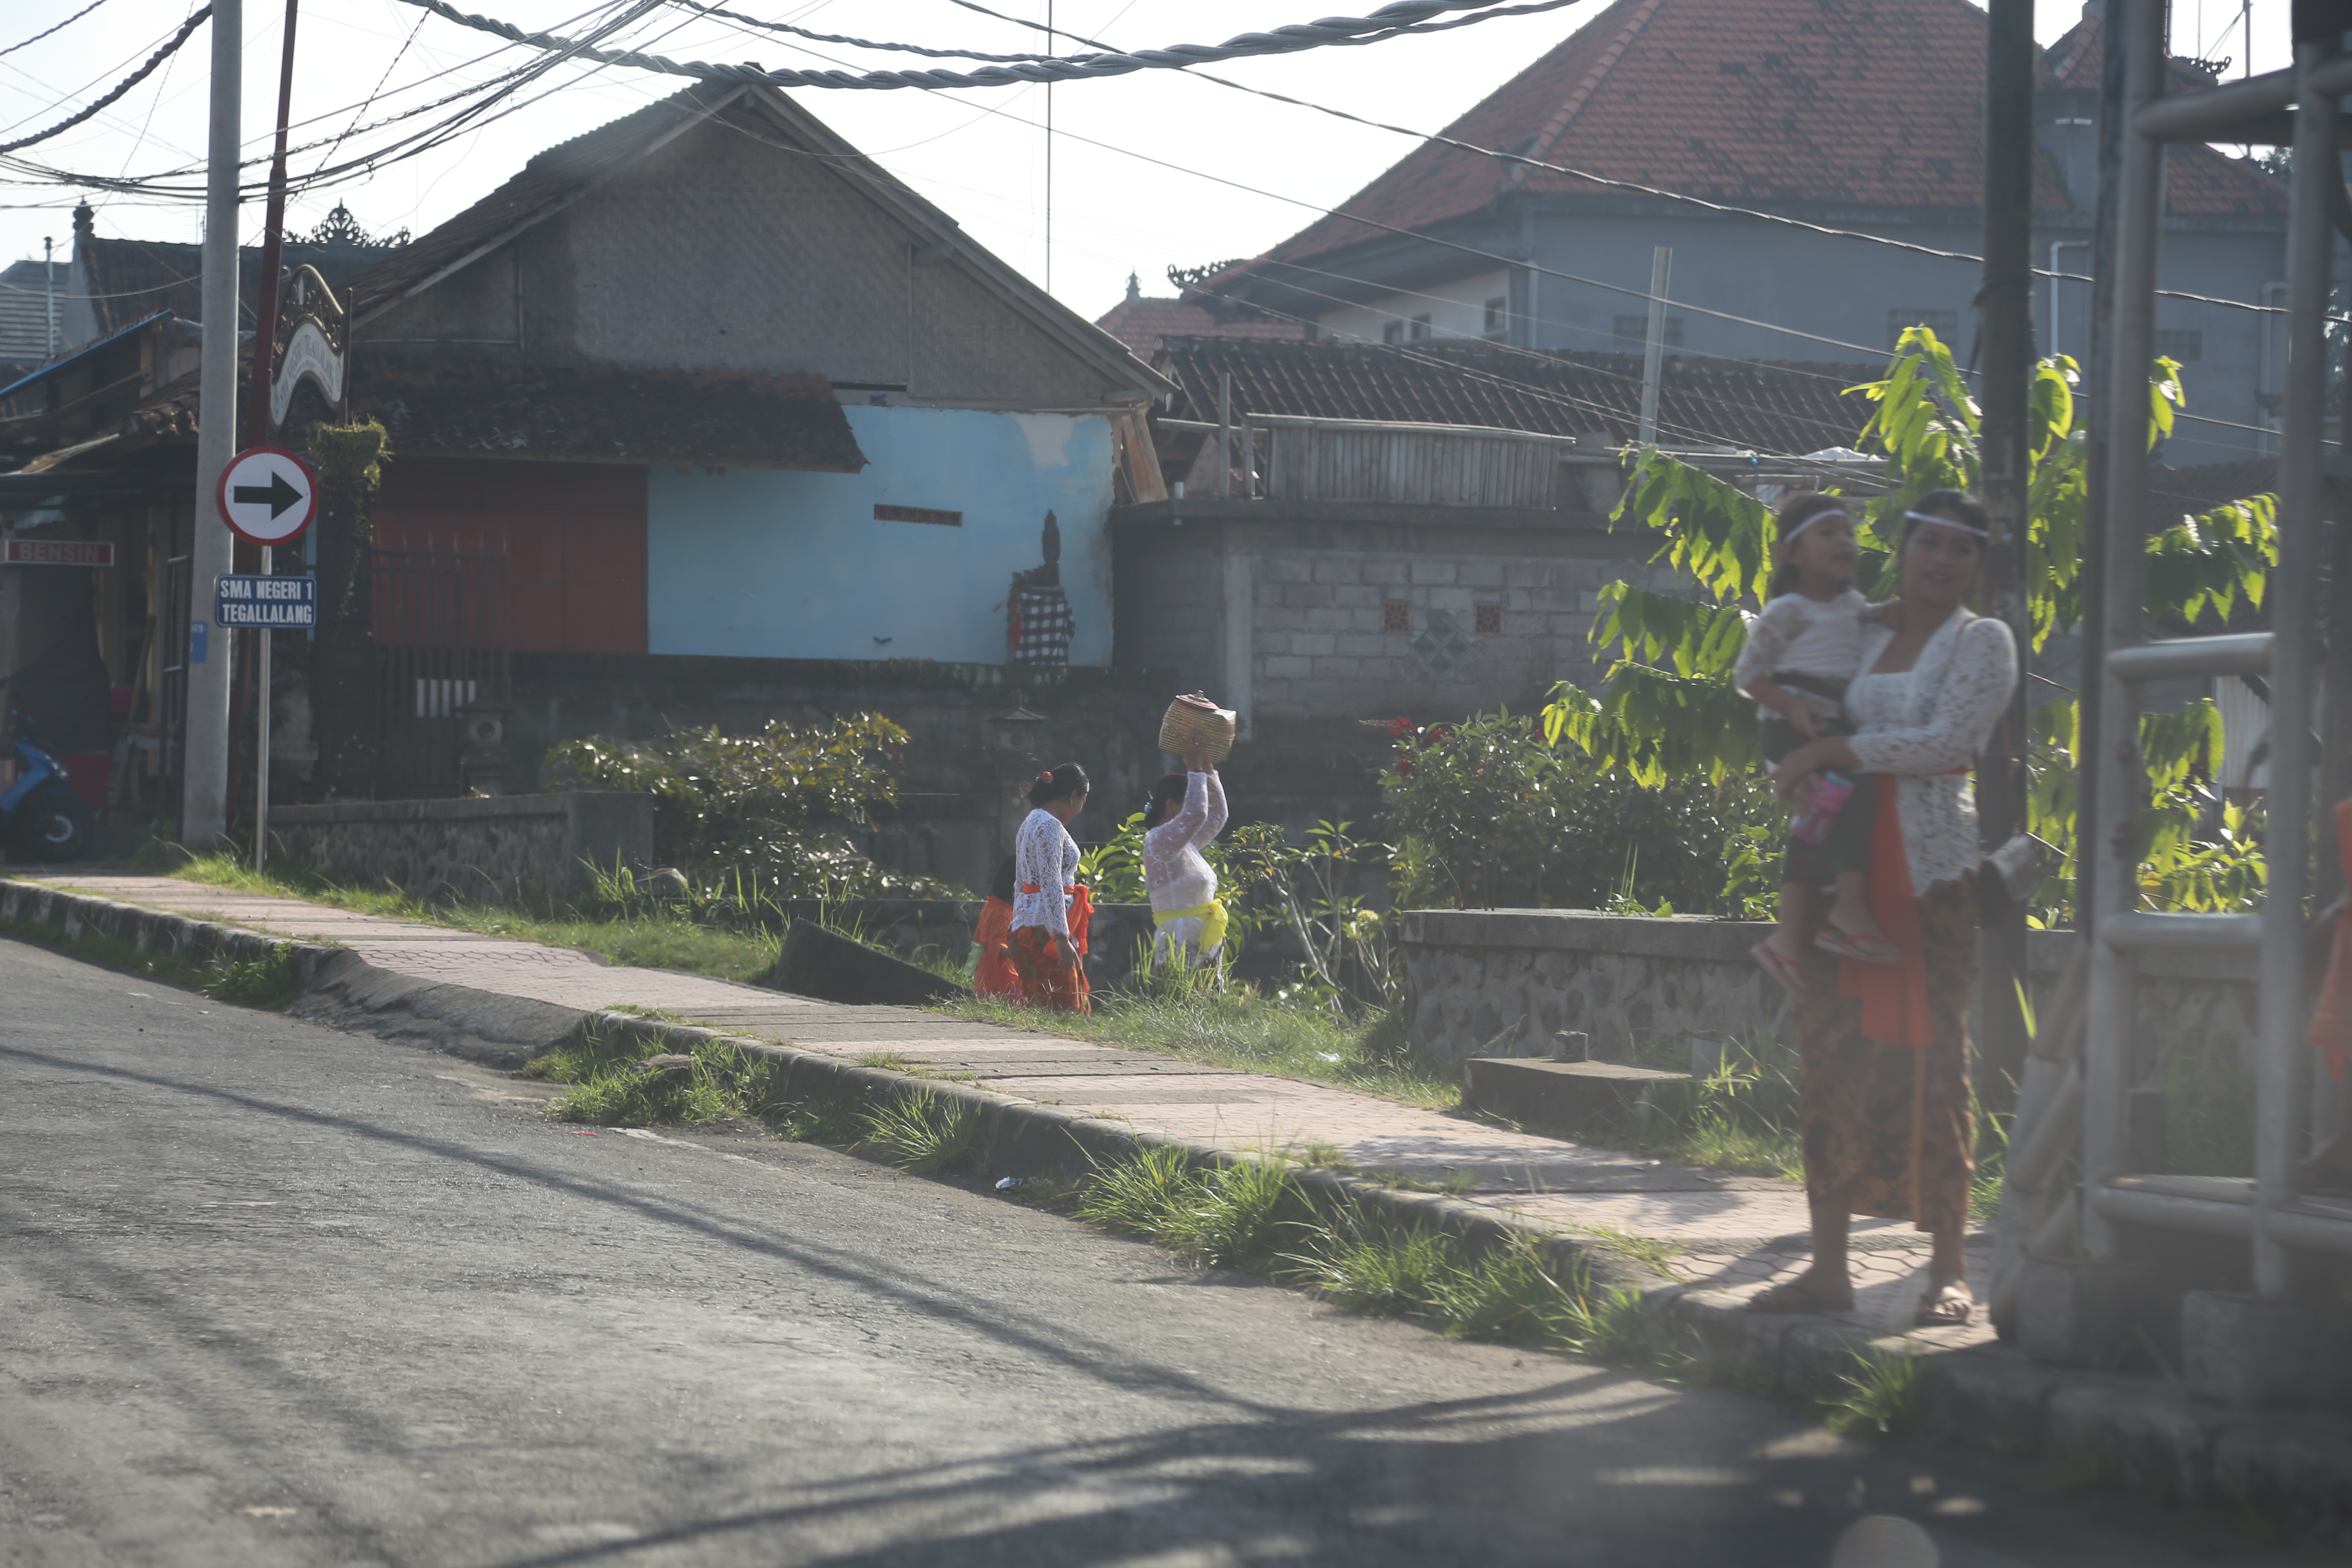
1817 517
1941 521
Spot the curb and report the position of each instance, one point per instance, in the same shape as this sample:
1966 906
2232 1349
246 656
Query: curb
2092 1429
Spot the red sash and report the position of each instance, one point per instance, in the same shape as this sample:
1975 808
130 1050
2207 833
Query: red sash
1081 911
1894 995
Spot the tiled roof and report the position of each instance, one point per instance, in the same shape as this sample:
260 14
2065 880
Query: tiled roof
2199 181
1755 102
130 279
1781 408
551 179
595 412
1140 322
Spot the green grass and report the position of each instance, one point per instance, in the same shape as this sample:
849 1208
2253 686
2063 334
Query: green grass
651 939
1879 1398
256 981
1241 1028
265 983
924 1132
610 1087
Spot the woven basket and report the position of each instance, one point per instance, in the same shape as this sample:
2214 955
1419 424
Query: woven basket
1191 721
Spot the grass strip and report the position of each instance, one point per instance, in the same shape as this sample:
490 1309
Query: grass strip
265 983
633 1081
1241 1030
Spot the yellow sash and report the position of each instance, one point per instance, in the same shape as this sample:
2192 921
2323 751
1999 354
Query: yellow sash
1212 916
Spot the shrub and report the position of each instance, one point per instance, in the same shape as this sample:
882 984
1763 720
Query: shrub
1487 814
760 816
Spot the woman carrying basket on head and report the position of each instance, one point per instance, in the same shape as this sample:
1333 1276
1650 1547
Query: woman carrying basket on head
1188 810
1050 911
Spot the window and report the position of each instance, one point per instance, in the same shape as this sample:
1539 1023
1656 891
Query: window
1498 316
1393 332
1488 620
883 513
1420 325
1396 616
1943 324
2183 346
1633 334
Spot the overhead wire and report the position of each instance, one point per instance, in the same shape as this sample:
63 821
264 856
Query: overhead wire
61 27
1390 21
125 84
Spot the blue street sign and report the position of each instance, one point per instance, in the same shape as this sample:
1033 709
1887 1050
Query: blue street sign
269 603
197 642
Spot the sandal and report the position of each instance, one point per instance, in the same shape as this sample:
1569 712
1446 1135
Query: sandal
1946 1305
1801 1295
1861 949
1780 968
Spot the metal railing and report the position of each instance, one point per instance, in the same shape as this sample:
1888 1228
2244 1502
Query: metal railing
2299 105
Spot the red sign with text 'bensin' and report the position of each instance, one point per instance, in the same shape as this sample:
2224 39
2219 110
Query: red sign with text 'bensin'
55 553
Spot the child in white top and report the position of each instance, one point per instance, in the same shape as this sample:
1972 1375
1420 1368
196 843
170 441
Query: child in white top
1801 653
1183 884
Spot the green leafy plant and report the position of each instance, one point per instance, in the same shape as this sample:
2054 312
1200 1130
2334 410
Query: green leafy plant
1142 1194
923 1131
756 819
1665 709
1879 1398
267 982
611 1085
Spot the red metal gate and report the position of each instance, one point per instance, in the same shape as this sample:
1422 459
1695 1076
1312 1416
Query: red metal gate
440 623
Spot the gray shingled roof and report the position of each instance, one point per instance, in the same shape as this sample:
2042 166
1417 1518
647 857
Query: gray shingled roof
24 315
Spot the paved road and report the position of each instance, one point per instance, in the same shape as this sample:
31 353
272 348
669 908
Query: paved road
272 1294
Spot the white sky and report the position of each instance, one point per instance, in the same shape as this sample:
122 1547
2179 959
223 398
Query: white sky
980 154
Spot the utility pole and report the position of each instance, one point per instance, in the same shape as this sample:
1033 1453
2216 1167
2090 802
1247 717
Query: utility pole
49 290
258 421
1654 345
2005 329
203 810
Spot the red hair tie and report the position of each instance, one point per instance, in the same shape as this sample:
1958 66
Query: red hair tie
1045 778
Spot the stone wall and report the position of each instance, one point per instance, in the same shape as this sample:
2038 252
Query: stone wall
522 850
1500 982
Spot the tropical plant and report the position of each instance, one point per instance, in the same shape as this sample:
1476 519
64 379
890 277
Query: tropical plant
761 817
1667 710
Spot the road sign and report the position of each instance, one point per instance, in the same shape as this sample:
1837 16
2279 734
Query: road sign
271 604
55 553
268 495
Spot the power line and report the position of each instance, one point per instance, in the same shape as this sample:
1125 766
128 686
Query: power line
1524 160
1390 21
125 84
60 28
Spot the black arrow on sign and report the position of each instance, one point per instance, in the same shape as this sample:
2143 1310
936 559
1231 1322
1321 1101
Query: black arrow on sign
278 494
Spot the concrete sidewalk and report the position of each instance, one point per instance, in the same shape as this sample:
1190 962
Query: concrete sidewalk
1732 1234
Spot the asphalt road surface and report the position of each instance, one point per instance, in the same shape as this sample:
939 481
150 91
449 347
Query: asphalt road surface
274 1294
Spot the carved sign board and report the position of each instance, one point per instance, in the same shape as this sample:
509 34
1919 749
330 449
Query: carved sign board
313 341
55 553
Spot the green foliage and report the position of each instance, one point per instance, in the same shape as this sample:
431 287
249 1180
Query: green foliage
923 1131
1142 1194
758 815
1488 814
1665 709
612 1087
1879 1398
268 982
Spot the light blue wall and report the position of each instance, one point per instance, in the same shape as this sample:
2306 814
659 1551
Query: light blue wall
755 563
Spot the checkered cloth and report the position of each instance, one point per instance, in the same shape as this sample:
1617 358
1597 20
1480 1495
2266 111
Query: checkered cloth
1042 627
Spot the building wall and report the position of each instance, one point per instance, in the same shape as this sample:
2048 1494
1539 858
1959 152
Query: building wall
1849 292
1455 310
762 563
721 252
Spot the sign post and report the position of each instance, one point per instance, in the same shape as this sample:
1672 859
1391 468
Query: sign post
268 496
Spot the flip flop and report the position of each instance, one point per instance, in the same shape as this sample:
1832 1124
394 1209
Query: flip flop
1780 968
1833 939
1941 1309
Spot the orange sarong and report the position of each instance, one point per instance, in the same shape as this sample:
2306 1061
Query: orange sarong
995 975
1894 996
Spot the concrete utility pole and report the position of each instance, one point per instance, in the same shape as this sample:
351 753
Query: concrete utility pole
2005 336
204 808
1654 345
264 349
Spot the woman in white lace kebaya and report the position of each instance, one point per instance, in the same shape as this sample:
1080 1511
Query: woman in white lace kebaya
1050 909
1188 810
1883 1095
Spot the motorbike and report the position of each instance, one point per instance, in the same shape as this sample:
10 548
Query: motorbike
41 817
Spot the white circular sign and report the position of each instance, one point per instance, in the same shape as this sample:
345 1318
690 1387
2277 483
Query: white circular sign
268 495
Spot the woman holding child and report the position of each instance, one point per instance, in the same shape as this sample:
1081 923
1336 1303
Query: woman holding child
1881 1008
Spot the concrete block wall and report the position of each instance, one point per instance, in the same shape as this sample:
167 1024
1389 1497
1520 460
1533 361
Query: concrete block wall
510 850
